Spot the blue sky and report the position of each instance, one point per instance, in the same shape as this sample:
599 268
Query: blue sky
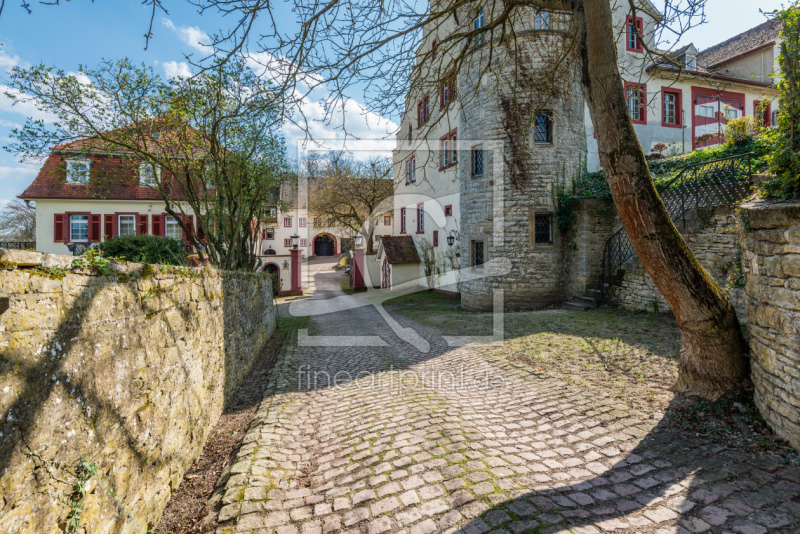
81 32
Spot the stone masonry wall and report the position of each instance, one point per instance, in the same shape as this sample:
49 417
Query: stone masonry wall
496 211
128 371
770 237
595 221
713 237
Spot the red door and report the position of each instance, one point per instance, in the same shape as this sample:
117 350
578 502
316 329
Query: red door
711 111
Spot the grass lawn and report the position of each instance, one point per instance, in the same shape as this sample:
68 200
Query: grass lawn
630 355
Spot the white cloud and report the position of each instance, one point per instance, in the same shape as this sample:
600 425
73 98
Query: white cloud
9 124
27 108
175 69
19 173
191 35
8 61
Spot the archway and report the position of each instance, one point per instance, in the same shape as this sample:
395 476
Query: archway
324 245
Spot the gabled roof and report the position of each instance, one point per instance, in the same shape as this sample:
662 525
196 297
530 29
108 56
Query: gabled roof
399 249
739 45
113 178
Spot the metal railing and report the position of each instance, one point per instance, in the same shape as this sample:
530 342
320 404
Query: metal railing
711 184
18 245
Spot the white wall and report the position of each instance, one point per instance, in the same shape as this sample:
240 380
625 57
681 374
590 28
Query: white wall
46 210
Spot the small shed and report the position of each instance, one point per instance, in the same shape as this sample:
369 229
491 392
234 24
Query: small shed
399 261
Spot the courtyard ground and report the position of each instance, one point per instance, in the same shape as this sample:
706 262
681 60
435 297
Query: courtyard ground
565 426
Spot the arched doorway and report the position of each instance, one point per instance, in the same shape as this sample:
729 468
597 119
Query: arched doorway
275 273
271 268
324 245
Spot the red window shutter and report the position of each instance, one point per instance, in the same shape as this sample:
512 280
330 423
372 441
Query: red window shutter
640 29
94 227
157 225
142 227
436 238
58 227
109 226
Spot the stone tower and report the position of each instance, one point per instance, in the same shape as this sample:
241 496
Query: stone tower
521 126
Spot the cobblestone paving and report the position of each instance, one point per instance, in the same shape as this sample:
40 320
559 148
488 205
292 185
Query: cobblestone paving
456 440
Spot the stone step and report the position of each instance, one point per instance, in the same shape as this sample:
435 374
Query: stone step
577 306
589 301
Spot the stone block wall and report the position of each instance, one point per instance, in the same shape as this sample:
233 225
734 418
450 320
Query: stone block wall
128 371
595 221
770 238
713 237
519 175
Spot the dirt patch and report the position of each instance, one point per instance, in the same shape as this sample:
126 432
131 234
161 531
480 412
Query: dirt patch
187 510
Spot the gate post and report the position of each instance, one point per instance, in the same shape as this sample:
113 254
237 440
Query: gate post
295 270
357 271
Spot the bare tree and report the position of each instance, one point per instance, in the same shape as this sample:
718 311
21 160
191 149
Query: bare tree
348 195
18 221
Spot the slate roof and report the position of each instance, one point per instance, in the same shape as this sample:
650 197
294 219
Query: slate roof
400 249
741 44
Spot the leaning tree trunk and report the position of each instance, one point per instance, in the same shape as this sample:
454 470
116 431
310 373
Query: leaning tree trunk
712 359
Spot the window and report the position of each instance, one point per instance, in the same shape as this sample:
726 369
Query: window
269 233
636 95
287 242
149 175
543 229
171 228
287 222
78 228
688 62
410 137
387 220
402 220
447 89
411 170
78 171
420 218
476 257
543 127
436 238
272 213
318 221
304 242
477 161
762 113
634 28
448 210
126 225
672 107
302 222
774 118
478 26
447 150
708 111
542 20
433 48
423 110
731 113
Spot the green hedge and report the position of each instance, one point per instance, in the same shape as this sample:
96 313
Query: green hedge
141 248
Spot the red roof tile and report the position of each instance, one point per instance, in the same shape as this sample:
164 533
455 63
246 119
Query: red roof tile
400 249
112 178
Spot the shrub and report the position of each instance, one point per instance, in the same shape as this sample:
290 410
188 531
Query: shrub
739 131
142 248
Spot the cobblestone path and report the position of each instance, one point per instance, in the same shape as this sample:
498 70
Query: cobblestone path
458 440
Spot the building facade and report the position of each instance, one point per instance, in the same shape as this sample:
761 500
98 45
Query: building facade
482 155
83 197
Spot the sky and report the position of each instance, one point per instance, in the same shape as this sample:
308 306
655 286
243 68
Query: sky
84 32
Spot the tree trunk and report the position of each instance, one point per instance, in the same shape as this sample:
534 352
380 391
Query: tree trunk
712 359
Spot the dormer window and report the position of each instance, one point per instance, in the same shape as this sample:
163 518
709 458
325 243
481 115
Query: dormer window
149 174
79 170
687 62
